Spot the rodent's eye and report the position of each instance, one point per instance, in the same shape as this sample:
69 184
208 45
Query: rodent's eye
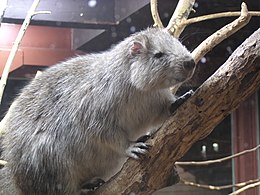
158 55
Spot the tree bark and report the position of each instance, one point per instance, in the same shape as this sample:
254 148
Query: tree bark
229 86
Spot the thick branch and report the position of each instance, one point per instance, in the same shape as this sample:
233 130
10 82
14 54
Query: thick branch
235 80
177 22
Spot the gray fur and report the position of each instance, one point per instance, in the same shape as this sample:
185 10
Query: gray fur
79 119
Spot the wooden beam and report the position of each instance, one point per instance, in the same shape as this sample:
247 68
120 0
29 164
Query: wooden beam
244 128
65 13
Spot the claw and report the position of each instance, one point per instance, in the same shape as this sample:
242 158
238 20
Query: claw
136 149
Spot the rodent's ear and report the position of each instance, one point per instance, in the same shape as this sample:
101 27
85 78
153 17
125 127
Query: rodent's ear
136 48
139 45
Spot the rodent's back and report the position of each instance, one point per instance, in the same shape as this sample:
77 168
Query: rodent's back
58 117
51 123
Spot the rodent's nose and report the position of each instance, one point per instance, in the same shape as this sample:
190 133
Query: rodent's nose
189 64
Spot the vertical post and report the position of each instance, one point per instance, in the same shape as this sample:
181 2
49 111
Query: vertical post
244 129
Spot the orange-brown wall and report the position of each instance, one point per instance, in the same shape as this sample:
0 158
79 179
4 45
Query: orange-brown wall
41 46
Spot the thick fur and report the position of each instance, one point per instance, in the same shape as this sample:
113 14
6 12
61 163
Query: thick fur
77 120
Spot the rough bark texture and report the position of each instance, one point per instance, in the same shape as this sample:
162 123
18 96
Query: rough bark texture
235 80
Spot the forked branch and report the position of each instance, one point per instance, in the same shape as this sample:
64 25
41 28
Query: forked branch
253 185
222 34
179 21
176 24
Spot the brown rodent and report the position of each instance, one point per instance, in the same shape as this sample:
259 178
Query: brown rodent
80 119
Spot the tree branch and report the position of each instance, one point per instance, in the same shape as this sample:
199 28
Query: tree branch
231 84
217 15
245 188
3 6
177 22
155 14
210 187
2 162
221 34
208 162
16 44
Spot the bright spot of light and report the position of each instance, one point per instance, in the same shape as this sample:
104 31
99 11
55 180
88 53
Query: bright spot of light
215 147
92 3
128 20
166 14
203 149
132 29
229 49
196 5
114 34
203 60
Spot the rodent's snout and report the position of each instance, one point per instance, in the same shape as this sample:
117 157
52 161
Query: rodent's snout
189 65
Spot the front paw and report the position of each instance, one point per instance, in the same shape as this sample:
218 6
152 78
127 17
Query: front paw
136 149
180 100
93 184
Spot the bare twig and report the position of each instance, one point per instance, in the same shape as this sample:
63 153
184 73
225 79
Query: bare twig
2 162
155 14
217 15
38 73
41 12
218 160
177 22
245 188
222 34
16 44
3 6
219 187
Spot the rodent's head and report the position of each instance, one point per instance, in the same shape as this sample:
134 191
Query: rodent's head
158 60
